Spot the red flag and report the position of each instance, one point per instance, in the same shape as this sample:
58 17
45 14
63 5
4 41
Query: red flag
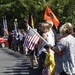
49 15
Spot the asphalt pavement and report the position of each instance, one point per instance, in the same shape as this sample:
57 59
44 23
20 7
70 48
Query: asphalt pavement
14 63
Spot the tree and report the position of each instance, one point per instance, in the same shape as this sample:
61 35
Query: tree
63 9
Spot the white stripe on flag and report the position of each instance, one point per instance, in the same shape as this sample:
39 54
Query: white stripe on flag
31 41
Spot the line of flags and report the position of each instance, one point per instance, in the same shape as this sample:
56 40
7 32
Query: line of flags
31 37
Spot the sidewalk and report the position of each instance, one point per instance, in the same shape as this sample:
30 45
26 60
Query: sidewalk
13 63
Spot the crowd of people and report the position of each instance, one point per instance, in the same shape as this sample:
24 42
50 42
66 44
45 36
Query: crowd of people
52 57
16 42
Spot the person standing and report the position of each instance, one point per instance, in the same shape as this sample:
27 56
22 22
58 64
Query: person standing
21 41
10 40
49 61
64 51
46 29
42 55
16 36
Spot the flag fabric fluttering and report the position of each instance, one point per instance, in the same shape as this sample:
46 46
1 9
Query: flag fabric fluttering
15 29
5 29
4 24
31 39
49 15
26 23
32 21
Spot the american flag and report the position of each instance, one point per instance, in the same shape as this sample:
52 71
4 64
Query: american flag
5 26
31 39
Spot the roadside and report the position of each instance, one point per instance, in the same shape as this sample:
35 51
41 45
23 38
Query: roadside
13 63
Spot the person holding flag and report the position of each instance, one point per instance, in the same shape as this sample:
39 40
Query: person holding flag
16 27
46 28
30 41
16 36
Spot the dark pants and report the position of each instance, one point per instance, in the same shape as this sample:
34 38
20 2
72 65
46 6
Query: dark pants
63 73
15 45
21 47
10 44
41 62
31 56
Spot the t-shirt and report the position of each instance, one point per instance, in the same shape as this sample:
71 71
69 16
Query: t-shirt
50 60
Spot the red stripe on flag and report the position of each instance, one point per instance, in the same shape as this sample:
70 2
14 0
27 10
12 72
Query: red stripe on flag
5 32
34 41
31 41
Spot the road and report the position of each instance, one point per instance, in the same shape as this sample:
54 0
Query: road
14 63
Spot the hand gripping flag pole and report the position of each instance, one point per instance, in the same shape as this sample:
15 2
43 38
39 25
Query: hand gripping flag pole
38 35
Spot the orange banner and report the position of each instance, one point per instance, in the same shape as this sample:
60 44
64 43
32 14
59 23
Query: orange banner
49 15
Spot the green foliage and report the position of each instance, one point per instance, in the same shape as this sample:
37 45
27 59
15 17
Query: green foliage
63 9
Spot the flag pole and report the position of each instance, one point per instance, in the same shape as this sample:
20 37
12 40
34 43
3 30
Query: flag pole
32 22
38 35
